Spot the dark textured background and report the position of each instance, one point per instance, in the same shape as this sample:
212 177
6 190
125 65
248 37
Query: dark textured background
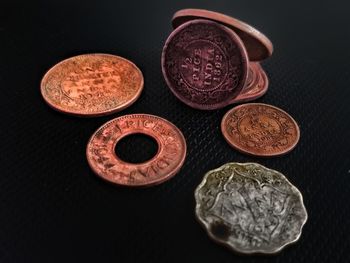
53 208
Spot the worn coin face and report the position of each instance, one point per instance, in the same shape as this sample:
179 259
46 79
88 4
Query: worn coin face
250 208
204 64
257 44
260 129
165 164
92 85
256 86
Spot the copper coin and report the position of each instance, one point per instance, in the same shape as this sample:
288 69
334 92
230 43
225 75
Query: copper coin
257 84
257 44
204 64
92 85
260 129
165 164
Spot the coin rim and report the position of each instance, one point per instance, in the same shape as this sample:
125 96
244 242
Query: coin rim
95 114
233 23
245 62
257 251
232 144
148 183
263 91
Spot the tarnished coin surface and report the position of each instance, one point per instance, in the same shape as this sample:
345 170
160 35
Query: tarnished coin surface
204 64
92 85
257 44
256 86
260 129
165 164
250 208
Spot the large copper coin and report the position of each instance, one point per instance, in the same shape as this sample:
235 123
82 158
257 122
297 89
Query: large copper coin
250 208
164 165
204 64
260 129
257 44
92 85
256 86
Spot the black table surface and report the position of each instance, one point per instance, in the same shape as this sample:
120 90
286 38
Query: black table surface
52 206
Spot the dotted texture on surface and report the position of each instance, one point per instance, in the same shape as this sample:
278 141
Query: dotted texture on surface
54 209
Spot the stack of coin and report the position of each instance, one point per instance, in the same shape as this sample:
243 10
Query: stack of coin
210 60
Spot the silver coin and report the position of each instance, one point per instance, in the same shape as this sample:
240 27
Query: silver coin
250 208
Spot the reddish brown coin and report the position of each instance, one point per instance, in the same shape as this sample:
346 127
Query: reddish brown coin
165 164
258 46
257 84
204 64
92 85
260 129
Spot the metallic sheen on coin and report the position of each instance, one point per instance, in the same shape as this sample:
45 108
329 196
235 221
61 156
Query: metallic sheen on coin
164 165
260 129
204 64
256 86
92 85
258 46
250 208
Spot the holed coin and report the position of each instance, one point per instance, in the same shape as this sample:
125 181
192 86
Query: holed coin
92 85
250 208
256 86
204 64
258 46
164 165
260 129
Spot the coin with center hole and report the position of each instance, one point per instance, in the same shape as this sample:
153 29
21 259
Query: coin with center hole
92 85
260 129
250 208
164 165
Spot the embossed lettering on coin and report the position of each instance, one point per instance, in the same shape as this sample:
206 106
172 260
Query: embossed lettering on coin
250 208
260 129
164 165
204 64
92 85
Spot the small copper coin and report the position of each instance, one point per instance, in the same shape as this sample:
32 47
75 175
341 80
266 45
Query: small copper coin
260 129
92 85
164 165
257 84
204 64
257 44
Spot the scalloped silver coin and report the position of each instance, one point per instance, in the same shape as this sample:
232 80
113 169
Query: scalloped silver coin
250 208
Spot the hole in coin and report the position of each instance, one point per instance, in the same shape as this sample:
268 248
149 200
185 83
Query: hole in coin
220 230
136 148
